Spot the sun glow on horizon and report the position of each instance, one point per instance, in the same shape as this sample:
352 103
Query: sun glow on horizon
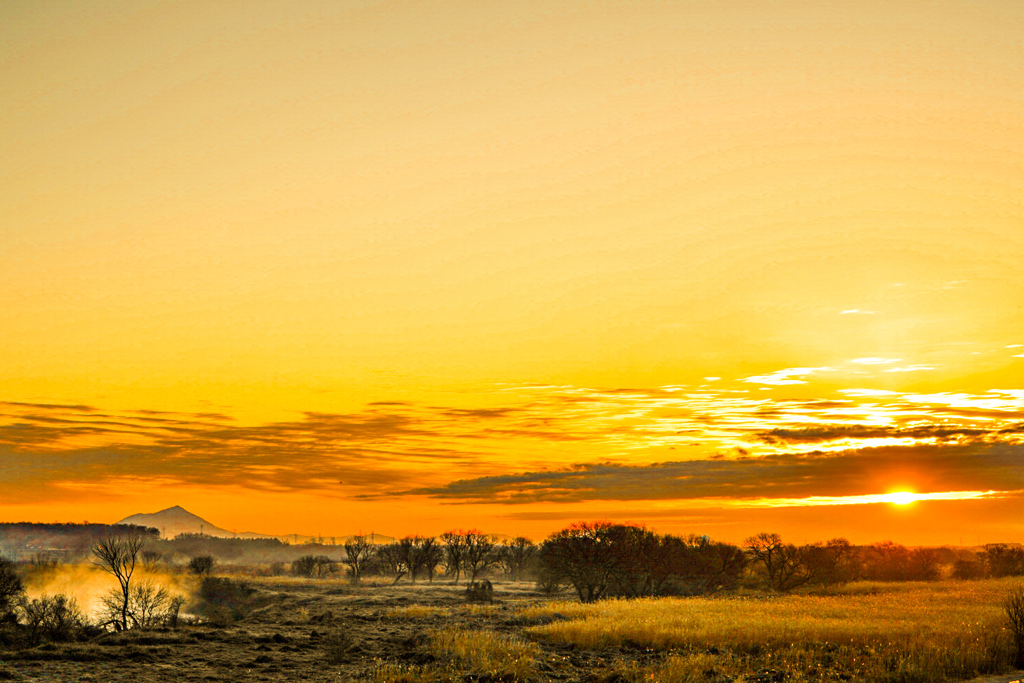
895 498
902 497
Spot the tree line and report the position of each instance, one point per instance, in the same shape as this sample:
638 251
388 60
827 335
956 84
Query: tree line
604 559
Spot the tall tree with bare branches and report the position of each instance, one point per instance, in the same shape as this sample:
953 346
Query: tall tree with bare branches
118 555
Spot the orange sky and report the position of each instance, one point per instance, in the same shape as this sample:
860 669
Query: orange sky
327 267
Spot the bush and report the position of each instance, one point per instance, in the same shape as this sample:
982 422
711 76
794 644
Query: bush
149 605
338 647
224 601
968 569
313 566
201 565
54 617
480 591
549 582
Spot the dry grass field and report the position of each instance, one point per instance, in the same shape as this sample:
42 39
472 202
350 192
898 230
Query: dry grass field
327 630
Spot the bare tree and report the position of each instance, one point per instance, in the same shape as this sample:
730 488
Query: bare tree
786 565
117 555
391 561
516 556
454 550
479 553
358 555
430 556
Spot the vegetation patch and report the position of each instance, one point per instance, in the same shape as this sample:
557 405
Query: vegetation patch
924 632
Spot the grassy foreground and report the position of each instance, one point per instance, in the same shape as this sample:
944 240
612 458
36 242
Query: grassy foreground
896 632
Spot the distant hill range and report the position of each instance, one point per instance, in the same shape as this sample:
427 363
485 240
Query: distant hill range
178 520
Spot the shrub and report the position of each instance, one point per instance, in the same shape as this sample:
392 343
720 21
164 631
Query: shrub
54 617
224 601
313 566
337 647
480 591
201 565
968 569
549 582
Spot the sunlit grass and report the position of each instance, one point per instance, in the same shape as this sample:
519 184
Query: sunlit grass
487 652
417 612
925 631
462 652
431 611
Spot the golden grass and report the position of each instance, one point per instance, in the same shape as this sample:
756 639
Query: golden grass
481 653
433 611
487 652
909 632
416 612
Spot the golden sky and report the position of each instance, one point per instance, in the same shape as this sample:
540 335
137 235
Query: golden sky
328 267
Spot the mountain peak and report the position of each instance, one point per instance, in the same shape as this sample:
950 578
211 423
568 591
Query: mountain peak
176 520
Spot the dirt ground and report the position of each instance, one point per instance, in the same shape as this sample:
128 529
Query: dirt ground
287 639
292 636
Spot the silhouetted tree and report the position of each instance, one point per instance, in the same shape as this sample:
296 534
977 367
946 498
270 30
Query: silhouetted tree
201 565
358 556
1003 560
516 555
118 555
430 555
832 562
454 552
786 566
391 561
580 556
11 588
316 566
479 553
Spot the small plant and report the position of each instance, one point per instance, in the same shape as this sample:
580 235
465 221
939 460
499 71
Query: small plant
338 647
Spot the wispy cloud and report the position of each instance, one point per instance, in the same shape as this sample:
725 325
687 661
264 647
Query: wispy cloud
787 376
910 368
389 447
782 476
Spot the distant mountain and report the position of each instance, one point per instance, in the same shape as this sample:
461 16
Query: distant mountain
178 520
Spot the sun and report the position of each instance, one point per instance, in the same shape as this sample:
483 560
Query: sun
901 498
